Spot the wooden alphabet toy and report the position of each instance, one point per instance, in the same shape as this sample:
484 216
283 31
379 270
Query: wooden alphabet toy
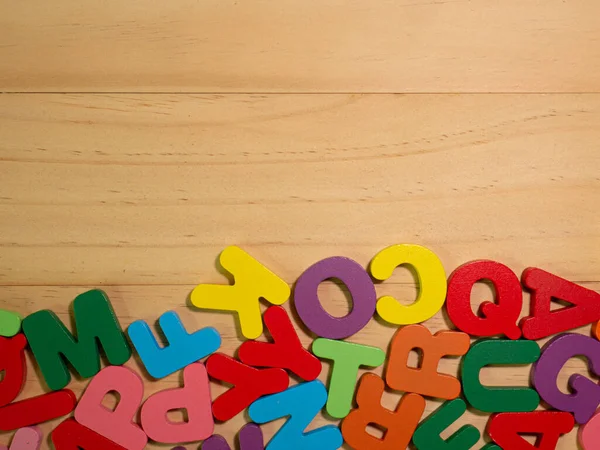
10 323
250 436
424 380
183 349
301 403
589 434
249 384
284 352
347 358
505 429
36 410
359 284
544 287
215 442
31 411
399 424
432 283
274 376
51 342
70 435
12 363
117 425
28 438
498 317
194 397
498 399
253 281
427 436
586 397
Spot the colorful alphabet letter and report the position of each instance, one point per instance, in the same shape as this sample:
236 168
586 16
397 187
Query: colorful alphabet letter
183 349
301 403
505 428
400 424
545 286
12 363
249 384
589 434
284 352
251 438
116 425
70 435
493 352
347 357
31 411
586 397
10 323
424 380
28 438
36 410
427 436
50 340
359 285
253 281
432 283
499 317
194 397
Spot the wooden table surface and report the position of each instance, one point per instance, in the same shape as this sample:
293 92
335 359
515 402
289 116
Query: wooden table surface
137 140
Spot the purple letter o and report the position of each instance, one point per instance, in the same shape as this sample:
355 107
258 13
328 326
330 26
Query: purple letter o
359 285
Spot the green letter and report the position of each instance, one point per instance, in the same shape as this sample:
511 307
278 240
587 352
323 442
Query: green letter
499 352
427 436
10 323
347 358
52 344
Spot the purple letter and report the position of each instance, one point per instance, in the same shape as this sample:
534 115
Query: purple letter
586 397
361 289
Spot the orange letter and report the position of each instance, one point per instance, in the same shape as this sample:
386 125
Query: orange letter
425 379
400 424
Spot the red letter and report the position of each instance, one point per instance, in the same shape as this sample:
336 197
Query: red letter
31 411
70 435
249 384
499 317
545 286
285 352
505 428
12 362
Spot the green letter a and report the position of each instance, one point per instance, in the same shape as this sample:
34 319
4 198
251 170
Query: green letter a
53 345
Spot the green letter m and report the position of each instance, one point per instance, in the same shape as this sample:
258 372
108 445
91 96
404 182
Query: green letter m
53 345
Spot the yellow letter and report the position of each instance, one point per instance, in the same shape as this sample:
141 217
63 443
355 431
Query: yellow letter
252 281
432 283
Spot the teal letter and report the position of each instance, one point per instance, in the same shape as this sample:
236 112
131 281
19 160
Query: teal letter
301 403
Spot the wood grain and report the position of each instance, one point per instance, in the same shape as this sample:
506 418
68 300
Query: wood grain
301 46
138 193
148 189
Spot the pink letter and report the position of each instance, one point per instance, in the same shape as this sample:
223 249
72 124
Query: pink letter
28 438
589 434
117 425
194 397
